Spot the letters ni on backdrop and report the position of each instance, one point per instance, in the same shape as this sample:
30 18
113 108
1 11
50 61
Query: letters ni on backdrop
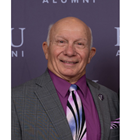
30 21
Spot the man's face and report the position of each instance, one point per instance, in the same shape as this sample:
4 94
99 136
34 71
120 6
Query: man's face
69 51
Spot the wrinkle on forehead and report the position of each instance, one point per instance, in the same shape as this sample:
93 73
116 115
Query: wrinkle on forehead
71 22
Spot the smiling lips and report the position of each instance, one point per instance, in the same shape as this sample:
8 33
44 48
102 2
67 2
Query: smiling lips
68 62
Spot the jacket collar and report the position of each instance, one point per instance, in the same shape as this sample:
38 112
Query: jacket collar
102 107
49 99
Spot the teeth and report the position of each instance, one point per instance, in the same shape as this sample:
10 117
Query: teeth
68 62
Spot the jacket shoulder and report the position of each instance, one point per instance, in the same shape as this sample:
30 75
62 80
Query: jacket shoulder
103 90
20 90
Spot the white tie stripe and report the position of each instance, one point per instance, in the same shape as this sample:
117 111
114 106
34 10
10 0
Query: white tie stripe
75 115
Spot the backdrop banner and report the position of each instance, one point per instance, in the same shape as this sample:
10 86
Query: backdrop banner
30 22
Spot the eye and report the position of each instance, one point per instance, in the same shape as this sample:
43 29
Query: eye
79 43
61 41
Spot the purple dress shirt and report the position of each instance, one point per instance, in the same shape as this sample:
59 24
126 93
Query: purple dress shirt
91 115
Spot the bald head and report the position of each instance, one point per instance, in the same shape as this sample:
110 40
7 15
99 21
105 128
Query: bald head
67 23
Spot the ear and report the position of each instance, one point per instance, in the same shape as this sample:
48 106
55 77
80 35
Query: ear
45 49
92 53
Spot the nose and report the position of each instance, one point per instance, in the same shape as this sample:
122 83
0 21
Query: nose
70 50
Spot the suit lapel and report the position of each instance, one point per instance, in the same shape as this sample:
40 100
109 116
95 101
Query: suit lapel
102 109
49 99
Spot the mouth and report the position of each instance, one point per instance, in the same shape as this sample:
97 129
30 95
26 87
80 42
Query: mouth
69 62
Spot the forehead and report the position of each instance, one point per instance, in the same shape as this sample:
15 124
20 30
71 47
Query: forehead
67 28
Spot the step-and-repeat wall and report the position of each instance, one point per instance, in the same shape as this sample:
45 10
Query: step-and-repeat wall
30 21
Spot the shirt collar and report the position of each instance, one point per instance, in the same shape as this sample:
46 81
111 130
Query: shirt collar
62 86
81 83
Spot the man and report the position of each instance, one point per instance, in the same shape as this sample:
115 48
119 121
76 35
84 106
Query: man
46 108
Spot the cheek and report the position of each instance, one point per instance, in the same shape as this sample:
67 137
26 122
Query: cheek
54 53
84 57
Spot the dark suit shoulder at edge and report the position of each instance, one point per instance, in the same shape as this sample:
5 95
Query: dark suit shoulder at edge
29 84
103 89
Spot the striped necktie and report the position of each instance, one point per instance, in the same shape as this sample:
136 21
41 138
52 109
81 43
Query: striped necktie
75 115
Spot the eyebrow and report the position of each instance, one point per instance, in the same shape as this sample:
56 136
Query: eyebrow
74 41
60 37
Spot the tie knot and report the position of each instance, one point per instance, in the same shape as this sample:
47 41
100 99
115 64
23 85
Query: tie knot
72 88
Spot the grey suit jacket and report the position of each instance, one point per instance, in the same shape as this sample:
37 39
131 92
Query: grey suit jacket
37 113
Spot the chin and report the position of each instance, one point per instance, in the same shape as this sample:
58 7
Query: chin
68 73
